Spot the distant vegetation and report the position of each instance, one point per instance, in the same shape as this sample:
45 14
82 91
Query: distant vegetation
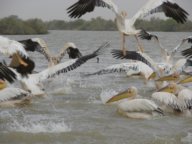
15 25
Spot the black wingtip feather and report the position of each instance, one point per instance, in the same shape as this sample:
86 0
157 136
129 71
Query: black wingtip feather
132 55
82 59
187 52
7 74
175 11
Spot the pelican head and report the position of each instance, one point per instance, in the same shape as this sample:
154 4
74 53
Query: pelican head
124 14
2 84
129 93
186 80
173 77
72 50
170 88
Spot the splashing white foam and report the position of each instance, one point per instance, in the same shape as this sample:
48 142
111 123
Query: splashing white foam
187 139
42 126
62 91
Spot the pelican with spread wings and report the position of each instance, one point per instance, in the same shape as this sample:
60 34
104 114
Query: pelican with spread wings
39 45
126 26
32 82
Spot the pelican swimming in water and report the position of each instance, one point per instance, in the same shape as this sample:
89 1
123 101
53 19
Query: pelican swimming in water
175 98
126 26
39 45
130 104
32 82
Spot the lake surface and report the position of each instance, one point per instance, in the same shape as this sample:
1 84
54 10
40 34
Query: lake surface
73 113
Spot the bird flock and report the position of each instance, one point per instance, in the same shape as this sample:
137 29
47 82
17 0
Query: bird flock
170 95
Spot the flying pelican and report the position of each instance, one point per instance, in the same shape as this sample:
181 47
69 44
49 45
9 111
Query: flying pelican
126 26
32 82
176 98
131 68
167 56
39 45
131 105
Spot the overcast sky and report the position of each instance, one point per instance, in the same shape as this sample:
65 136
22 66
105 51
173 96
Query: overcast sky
56 9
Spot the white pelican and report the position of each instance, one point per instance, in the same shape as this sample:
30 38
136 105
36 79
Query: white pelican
167 56
159 69
134 107
176 98
131 68
39 45
126 26
143 57
33 81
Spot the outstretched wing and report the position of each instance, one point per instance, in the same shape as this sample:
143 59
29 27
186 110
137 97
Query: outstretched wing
13 94
133 55
7 74
170 9
111 69
10 47
83 6
187 52
146 35
176 49
37 44
67 66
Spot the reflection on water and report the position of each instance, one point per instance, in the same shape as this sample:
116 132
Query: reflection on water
73 111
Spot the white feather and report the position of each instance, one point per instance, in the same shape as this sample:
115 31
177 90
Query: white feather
112 5
138 105
9 93
165 98
145 10
10 47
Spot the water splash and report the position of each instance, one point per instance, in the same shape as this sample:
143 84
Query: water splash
39 127
187 139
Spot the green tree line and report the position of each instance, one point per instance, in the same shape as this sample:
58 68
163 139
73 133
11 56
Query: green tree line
15 25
